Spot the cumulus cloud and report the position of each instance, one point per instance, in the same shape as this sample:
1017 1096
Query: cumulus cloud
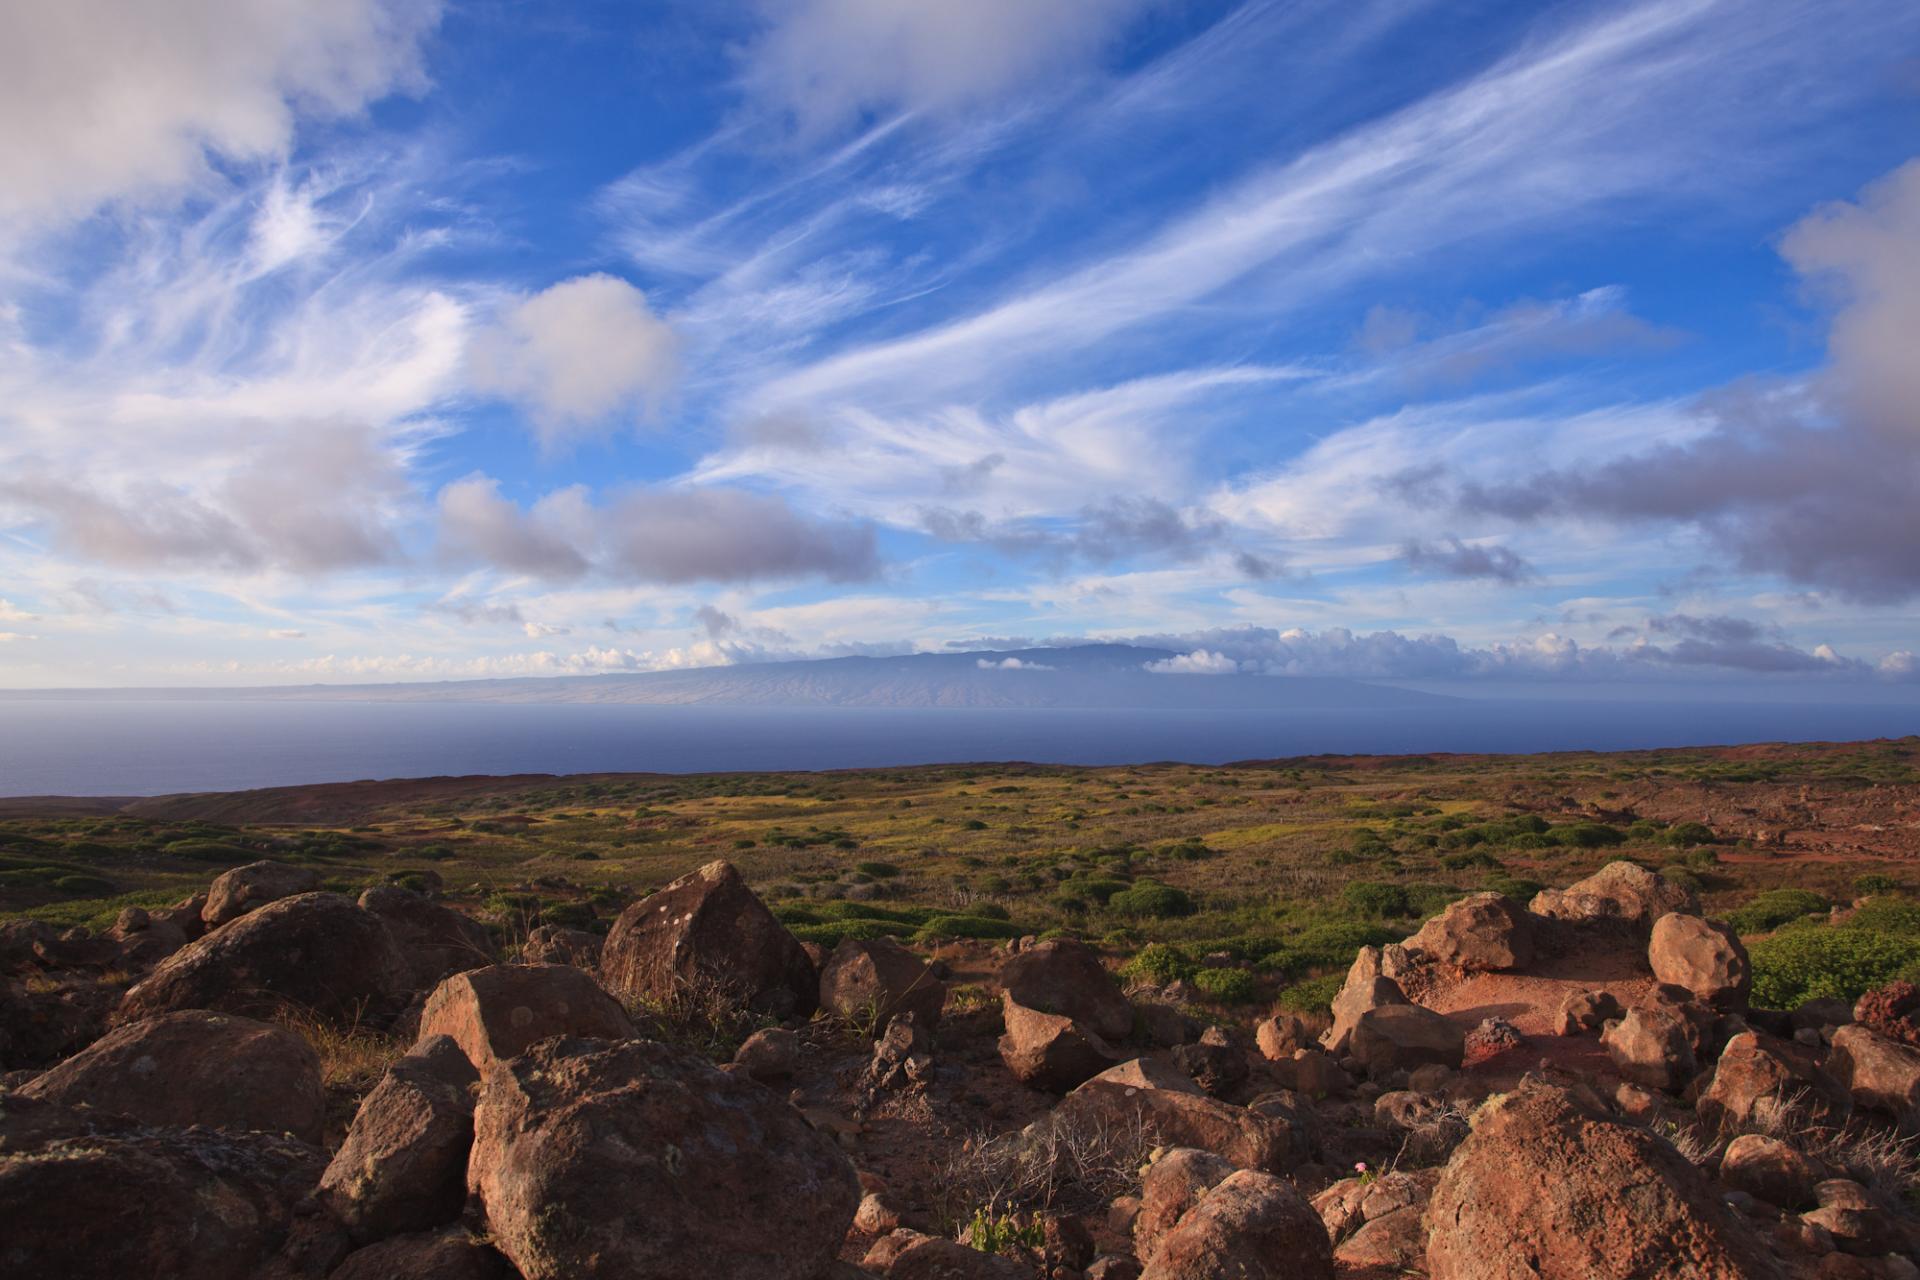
1815 483
110 98
1453 558
825 62
651 535
1201 662
578 356
1011 664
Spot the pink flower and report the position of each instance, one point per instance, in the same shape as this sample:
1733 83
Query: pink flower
1359 1166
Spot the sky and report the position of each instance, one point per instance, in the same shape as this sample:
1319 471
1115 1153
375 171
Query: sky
349 340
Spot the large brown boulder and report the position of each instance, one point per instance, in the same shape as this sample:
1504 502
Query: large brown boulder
1544 1187
1252 1226
644 1162
1703 956
1365 988
144 940
1146 1095
444 1255
403 1166
161 1204
314 952
436 939
1620 891
499 1011
1764 1079
1066 977
1882 1074
1770 1170
243 889
1049 1050
1397 1037
1652 1046
930 1258
1174 1183
869 981
1483 932
708 929
557 944
196 1067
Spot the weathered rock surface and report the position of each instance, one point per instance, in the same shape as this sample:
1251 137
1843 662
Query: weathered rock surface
770 1053
437 940
1048 1050
1586 1011
708 928
1703 956
1652 1046
169 1204
1146 1093
643 1162
1482 932
447 1255
1544 1187
1280 1036
1881 1074
1770 1170
196 1067
1066 978
556 944
1366 988
1762 1078
928 1258
1397 1037
316 952
1173 1184
1252 1226
498 1012
1619 891
871 981
403 1165
234 893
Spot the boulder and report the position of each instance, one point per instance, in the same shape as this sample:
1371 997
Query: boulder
1545 1187
1623 892
1398 1037
436 939
708 929
196 1067
645 1162
1489 1039
1252 1226
1158 1099
556 944
1483 932
1394 1242
927 1258
403 1165
1349 1205
1652 1046
146 941
1173 1184
1048 1050
1065 977
1893 1010
1366 988
315 952
1703 956
869 981
445 1255
1585 1011
771 1053
1763 1079
243 889
1280 1036
902 1058
1881 1074
1217 1061
1856 1224
499 1011
161 1204
1770 1170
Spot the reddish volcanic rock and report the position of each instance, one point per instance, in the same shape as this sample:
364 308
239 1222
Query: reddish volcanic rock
243 889
1066 977
869 981
403 1165
498 1012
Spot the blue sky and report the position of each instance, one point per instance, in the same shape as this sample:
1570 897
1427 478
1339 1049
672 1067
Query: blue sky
393 339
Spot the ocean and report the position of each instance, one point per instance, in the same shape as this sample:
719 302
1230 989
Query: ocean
109 746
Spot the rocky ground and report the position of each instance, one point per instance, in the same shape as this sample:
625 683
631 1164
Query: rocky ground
269 1080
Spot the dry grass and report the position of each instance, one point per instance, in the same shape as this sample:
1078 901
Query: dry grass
1870 1152
1069 1164
352 1058
703 1015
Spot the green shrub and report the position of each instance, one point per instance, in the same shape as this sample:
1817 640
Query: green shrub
1471 858
1875 883
1225 986
1376 898
967 927
828 933
1097 889
1520 889
989 911
1159 963
1676 874
1687 834
568 915
1587 835
878 870
1151 900
1315 995
78 885
1797 965
1897 916
1775 907
209 851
